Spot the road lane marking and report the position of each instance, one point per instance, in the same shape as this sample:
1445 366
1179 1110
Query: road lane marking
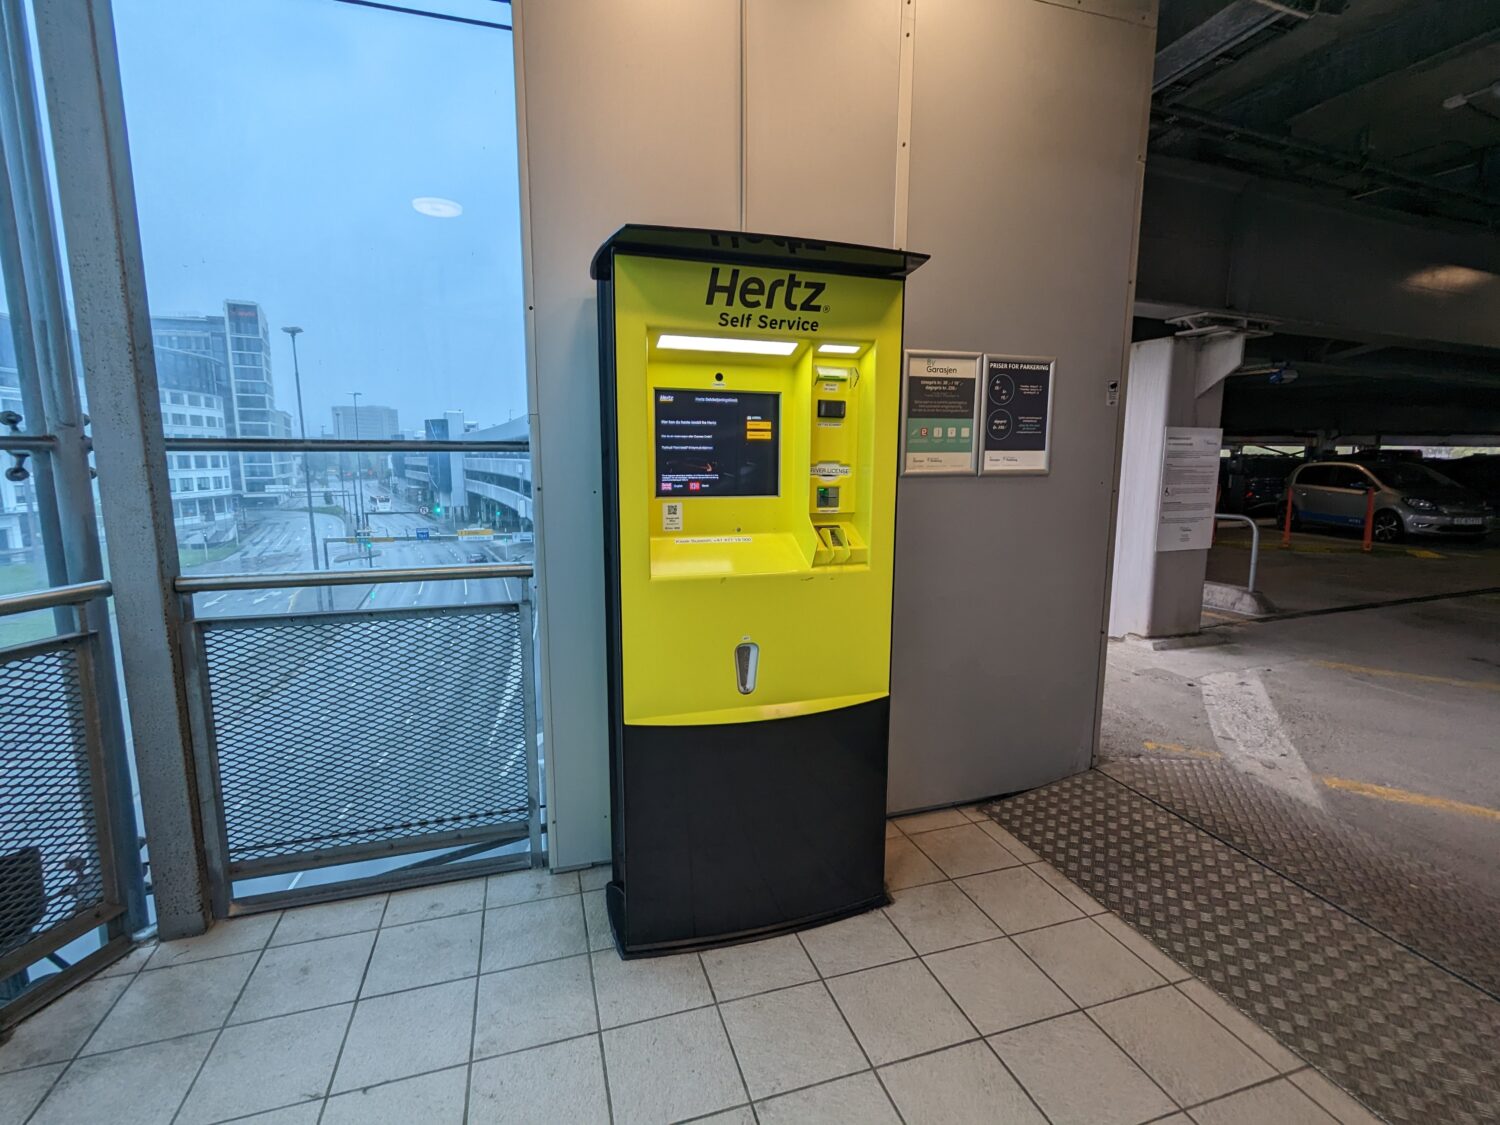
1417 677
1250 735
1422 553
1177 748
1404 797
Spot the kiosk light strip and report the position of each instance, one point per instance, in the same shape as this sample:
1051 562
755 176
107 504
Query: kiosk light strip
673 342
839 349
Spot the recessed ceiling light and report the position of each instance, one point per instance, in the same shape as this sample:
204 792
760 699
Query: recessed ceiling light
1449 279
838 349
675 342
437 207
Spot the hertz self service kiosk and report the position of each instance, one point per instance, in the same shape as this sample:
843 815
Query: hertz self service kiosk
750 397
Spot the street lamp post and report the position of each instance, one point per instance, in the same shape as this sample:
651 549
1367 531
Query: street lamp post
312 520
359 489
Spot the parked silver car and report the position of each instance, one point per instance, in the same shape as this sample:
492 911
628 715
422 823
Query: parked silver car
1410 499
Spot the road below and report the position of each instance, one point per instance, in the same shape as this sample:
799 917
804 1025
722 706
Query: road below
281 540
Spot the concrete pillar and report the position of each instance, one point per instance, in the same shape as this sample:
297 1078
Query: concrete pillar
1177 381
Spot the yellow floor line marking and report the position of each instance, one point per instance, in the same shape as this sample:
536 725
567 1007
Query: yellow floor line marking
1220 616
1418 553
1175 748
1361 670
1402 797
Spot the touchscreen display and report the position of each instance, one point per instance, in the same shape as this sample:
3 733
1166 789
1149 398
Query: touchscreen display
716 443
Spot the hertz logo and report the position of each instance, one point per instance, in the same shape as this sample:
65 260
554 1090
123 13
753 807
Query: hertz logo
751 291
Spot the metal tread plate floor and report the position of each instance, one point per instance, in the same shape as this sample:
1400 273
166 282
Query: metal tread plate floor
1414 903
1408 1038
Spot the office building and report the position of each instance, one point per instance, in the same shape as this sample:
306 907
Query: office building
238 343
365 423
204 498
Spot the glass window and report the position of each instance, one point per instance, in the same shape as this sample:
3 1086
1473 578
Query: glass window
179 420
383 218
177 399
200 461
1316 475
1351 476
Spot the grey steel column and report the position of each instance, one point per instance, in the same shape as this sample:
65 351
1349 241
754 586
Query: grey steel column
49 389
81 75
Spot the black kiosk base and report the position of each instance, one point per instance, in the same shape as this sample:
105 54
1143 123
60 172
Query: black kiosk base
749 830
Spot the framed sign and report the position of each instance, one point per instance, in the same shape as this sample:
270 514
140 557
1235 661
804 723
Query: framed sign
939 395
1016 422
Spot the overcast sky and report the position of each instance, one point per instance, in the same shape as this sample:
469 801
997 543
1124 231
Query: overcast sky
277 148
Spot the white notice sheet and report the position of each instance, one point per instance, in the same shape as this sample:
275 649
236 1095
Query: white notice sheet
1189 489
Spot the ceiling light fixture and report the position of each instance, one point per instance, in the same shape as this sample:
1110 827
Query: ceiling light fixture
839 349
437 207
1458 101
673 342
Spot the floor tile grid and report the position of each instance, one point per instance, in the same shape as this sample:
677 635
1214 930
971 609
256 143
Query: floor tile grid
972 812
473 1015
702 967
594 991
872 1068
186 1094
719 1012
83 1042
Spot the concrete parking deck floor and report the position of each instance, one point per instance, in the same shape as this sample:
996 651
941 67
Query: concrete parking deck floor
992 989
1331 571
1387 718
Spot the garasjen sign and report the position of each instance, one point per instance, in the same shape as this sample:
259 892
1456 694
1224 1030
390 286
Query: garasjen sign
937 417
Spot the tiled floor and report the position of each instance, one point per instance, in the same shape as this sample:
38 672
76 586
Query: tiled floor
992 989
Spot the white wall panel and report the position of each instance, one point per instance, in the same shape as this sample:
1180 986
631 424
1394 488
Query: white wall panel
1028 132
631 114
820 118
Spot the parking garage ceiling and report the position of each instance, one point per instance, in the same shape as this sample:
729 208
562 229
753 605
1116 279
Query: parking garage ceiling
1384 105
1393 104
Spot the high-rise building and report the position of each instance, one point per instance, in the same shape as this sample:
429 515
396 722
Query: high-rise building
239 344
266 477
367 423
204 497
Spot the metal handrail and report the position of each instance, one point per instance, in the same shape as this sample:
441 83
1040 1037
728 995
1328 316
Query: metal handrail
1254 541
339 445
209 583
33 442
75 594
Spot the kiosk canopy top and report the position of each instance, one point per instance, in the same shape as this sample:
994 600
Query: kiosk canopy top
774 251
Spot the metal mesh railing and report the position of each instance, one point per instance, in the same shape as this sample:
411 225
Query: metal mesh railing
51 869
337 735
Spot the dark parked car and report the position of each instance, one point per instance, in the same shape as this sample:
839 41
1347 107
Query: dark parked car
1479 471
1254 484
